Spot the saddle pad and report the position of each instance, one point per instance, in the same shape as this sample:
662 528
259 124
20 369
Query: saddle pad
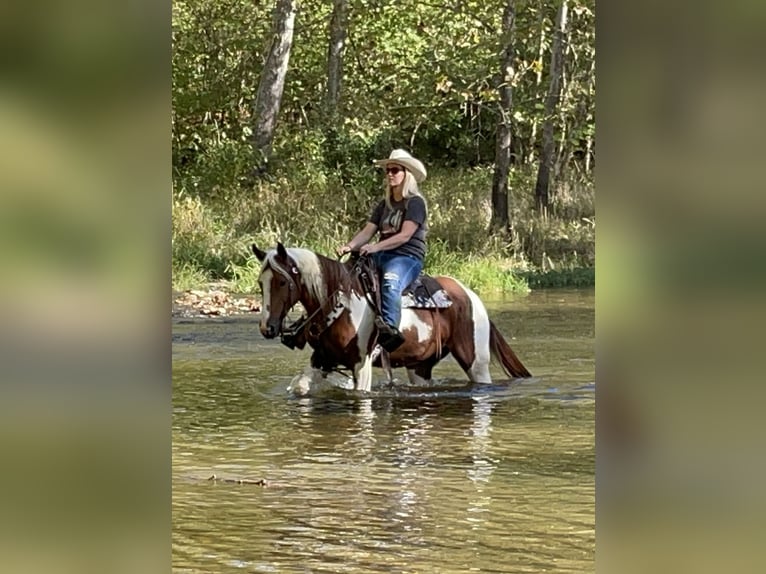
425 293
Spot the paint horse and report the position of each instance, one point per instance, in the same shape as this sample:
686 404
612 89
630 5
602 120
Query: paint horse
341 322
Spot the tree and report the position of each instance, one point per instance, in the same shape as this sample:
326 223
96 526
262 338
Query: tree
538 78
542 187
417 74
272 82
338 24
503 136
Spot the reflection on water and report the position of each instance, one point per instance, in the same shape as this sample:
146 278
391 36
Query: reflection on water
447 479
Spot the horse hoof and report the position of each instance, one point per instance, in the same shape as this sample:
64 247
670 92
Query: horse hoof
300 385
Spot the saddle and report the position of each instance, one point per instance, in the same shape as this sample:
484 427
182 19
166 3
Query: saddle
424 292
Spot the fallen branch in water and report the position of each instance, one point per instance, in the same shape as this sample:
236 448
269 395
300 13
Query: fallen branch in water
259 482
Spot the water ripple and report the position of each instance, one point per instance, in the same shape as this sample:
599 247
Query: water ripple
444 478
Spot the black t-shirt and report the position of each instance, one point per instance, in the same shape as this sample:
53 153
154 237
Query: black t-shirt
389 222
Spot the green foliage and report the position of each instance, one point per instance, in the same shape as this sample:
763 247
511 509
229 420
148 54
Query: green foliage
565 237
313 210
417 75
555 278
186 277
245 277
489 272
198 239
422 76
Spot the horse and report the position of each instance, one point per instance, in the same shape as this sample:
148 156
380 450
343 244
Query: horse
341 328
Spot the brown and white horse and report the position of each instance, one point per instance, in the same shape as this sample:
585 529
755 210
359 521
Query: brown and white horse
341 322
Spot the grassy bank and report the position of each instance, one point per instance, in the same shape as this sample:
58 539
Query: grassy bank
214 227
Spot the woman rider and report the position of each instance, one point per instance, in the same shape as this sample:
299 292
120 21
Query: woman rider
401 219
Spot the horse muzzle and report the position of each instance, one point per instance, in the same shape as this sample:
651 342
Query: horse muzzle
271 329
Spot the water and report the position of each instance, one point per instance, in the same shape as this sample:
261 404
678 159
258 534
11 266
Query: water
450 478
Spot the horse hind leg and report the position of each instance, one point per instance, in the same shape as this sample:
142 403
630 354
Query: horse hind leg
479 372
421 374
468 327
477 368
471 349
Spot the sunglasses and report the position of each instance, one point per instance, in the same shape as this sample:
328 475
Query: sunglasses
393 170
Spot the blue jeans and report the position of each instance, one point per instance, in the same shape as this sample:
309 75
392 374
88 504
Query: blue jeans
396 272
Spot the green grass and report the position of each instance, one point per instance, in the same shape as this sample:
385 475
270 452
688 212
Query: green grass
245 277
187 277
481 274
312 208
556 278
488 273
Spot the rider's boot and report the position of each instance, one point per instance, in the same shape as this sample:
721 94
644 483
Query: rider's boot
389 337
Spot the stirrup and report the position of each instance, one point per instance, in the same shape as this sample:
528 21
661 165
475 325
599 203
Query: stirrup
385 328
390 338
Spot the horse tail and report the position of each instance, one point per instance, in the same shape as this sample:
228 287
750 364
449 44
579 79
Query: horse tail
502 351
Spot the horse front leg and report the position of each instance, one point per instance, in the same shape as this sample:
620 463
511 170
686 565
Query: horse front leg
310 379
363 375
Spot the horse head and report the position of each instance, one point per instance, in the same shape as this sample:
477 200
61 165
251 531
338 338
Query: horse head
280 282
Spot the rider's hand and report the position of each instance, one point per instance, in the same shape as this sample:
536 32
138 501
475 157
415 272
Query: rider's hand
343 249
367 249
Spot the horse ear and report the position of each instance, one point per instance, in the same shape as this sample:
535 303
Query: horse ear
281 251
261 255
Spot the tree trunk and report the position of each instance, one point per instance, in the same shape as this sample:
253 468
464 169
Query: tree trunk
542 187
500 221
538 80
564 154
272 83
338 26
591 94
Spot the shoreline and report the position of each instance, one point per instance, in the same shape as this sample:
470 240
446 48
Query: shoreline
214 301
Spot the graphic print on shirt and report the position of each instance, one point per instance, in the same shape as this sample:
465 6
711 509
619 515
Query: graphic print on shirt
392 222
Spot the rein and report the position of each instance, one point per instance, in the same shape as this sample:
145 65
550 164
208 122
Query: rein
294 335
295 330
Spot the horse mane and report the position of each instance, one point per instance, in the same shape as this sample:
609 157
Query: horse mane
321 275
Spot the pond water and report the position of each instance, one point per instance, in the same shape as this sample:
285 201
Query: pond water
448 478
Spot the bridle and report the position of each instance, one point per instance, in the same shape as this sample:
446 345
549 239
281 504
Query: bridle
290 335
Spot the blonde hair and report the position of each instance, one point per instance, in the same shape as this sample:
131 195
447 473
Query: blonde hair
409 188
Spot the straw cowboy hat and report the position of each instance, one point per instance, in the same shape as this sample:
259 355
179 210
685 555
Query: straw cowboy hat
401 157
